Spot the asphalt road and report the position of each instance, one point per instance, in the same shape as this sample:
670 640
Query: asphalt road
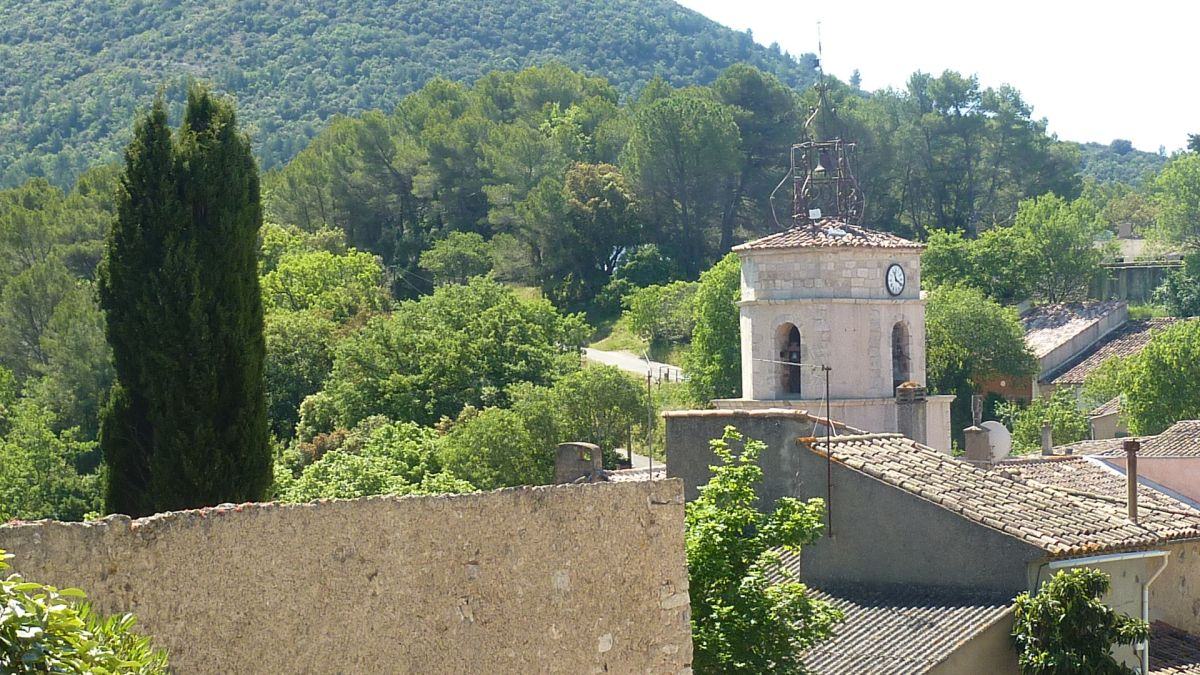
632 363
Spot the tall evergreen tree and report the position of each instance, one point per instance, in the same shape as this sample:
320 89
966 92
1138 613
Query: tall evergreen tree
186 423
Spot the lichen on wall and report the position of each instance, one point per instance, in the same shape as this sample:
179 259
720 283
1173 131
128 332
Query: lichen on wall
572 579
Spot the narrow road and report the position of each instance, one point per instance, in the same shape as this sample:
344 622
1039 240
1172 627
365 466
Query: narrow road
632 363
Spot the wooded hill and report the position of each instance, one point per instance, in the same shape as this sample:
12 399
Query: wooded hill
79 70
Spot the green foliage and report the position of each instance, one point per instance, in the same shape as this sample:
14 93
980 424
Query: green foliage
580 229
299 357
1047 254
682 151
71 103
1119 162
742 622
1160 382
338 285
1180 291
457 258
462 345
714 363
377 457
1064 629
1103 383
1068 424
47 630
186 424
498 447
969 338
1177 195
38 466
662 312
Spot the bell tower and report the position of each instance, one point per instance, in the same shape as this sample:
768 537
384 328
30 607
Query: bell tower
828 292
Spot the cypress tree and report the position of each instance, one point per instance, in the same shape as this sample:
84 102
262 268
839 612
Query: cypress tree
185 425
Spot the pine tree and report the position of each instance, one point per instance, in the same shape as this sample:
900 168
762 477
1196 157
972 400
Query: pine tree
185 425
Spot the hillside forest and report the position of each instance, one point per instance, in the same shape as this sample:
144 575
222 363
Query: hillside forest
429 272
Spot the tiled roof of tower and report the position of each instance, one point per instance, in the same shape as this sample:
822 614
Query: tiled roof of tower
1059 522
1173 651
829 233
1181 439
899 631
1127 340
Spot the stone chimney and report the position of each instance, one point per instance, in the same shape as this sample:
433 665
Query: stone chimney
1131 477
578 463
979 448
910 411
1047 439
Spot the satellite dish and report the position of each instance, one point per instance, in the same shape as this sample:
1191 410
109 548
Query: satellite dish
999 439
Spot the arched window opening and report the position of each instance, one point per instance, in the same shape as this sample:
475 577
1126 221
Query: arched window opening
900 355
789 353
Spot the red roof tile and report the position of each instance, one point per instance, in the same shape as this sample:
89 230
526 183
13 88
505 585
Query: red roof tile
829 233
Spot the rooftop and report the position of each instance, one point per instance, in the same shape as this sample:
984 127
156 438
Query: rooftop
902 630
1061 522
1173 651
1092 479
1127 340
829 233
1048 327
1112 405
1181 439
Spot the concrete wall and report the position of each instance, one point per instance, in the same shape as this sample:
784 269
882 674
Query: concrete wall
1107 426
880 534
1132 282
837 300
988 652
1175 594
574 579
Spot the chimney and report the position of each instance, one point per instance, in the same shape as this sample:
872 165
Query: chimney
1131 477
1047 440
910 411
578 463
979 448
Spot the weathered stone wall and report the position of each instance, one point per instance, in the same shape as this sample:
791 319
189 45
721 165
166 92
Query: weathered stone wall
1175 594
573 578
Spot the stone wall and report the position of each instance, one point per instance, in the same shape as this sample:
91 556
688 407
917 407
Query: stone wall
574 578
1175 594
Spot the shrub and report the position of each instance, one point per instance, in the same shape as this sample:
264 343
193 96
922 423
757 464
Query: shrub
1065 630
662 312
1067 422
47 630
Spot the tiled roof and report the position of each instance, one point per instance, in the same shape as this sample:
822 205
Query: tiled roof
1052 519
1127 340
1181 439
1049 326
829 232
1112 405
899 631
1173 651
1089 478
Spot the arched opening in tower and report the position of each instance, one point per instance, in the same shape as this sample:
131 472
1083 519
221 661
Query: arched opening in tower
789 353
900 355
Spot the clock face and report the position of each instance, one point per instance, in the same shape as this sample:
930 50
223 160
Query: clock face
895 279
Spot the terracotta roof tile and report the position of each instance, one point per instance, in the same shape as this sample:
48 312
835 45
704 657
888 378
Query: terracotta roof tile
899 630
1173 651
1112 405
830 233
1181 439
1127 340
1059 522
1049 326
658 472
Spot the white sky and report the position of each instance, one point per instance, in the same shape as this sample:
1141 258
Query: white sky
1095 70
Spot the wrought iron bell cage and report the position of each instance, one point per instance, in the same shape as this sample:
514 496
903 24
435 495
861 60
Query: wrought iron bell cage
824 182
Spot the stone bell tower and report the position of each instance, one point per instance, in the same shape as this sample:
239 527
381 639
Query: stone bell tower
831 293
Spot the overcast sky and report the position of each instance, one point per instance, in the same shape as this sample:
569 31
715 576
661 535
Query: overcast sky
1095 70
